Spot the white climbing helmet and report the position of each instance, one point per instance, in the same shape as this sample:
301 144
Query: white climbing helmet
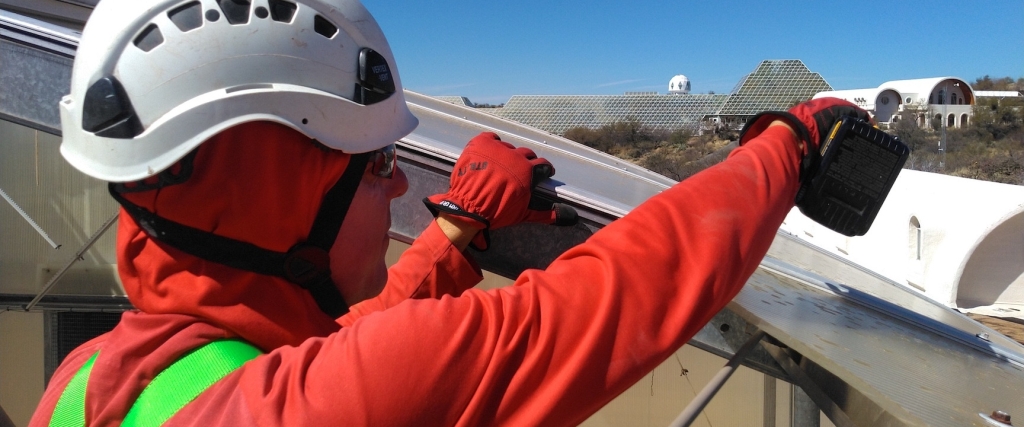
153 79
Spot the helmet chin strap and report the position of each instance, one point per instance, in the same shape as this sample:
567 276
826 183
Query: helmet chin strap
306 264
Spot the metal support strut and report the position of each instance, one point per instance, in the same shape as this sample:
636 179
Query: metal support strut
29 219
704 397
88 244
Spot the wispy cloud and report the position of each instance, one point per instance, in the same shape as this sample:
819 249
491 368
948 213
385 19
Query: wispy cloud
620 82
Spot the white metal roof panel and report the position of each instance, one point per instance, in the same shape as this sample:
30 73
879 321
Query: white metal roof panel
998 93
893 356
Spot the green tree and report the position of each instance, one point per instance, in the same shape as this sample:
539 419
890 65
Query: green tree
907 130
1005 83
587 136
996 120
983 83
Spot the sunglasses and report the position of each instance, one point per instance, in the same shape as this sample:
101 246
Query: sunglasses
384 162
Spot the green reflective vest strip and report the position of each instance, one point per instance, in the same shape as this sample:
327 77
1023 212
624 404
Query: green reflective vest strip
70 409
170 390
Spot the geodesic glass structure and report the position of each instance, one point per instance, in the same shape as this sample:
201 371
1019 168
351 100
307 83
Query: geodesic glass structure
557 114
773 85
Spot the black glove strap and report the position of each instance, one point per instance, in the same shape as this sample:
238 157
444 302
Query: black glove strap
451 208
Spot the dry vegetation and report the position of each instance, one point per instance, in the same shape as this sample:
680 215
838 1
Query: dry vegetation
991 148
675 154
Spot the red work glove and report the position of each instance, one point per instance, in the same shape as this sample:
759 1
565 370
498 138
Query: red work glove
811 120
492 185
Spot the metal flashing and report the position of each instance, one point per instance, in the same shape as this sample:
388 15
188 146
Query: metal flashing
35 70
38 34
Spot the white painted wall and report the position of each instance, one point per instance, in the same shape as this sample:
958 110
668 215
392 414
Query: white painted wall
972 239
21 364
886 106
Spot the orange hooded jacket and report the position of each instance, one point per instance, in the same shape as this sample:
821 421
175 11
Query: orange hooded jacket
549 350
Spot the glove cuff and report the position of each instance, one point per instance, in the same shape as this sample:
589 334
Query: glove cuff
565 215
810 158
757 124
482 241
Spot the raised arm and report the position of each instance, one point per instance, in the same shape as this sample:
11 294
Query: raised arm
434 265
562 342
490 187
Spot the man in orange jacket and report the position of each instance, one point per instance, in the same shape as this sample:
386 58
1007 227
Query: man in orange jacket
251 148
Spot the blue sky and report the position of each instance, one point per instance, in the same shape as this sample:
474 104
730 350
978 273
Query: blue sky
491 50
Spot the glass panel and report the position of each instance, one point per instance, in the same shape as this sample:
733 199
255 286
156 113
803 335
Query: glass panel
67 206
773 85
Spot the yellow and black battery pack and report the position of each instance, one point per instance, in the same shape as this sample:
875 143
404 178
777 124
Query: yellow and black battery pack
859 164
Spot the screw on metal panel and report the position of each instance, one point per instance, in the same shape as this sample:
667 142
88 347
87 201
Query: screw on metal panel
983 336
1002 417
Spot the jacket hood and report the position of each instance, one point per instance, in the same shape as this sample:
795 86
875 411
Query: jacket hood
260 183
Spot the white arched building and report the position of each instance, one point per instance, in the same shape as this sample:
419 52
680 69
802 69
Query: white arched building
947 99
959 241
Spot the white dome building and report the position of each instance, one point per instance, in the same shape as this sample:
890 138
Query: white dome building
679 85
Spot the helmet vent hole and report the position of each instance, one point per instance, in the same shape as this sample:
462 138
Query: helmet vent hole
261 12
281 11
236 11
212 15
304 121
149 38
187 17
324 27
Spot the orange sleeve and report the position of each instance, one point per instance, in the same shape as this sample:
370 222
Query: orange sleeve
430 268
562 342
